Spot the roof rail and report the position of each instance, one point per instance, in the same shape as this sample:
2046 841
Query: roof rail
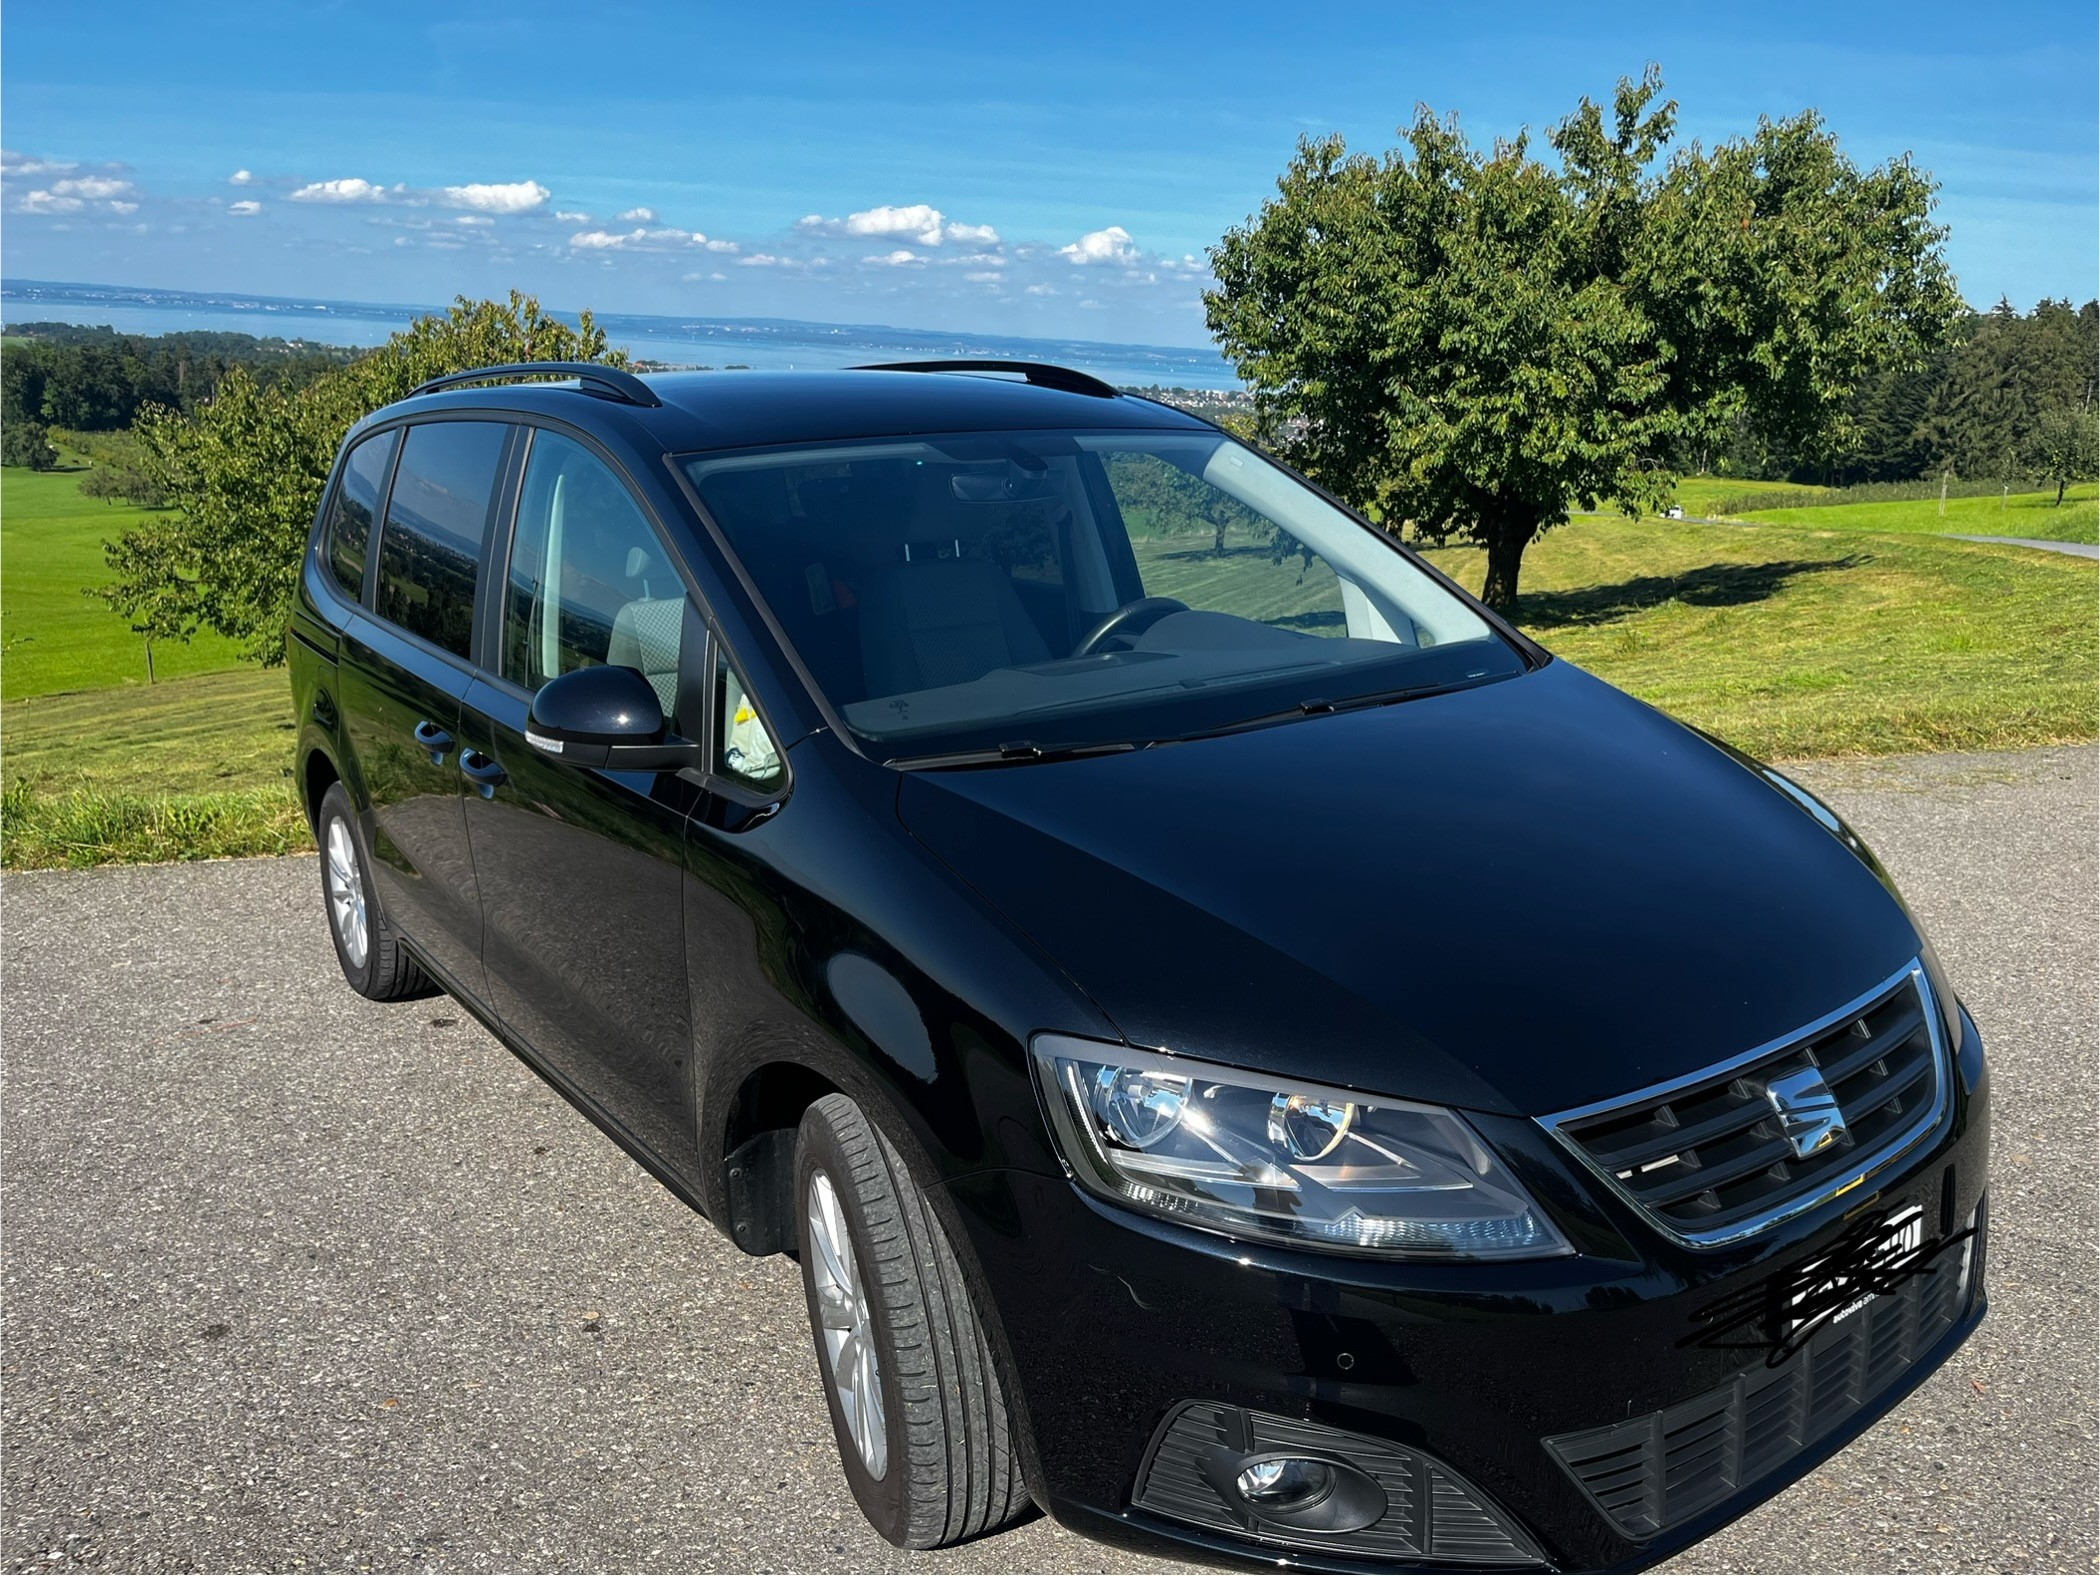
1040 373
602 382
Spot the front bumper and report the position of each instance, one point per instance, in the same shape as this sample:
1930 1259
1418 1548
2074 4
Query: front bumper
1609 1408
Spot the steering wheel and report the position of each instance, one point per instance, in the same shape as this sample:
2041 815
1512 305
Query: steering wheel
1144 612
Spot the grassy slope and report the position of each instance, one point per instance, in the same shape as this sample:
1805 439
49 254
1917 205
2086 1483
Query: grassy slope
2023 514
1791 642
51 636
1701 494
1785 641
188 769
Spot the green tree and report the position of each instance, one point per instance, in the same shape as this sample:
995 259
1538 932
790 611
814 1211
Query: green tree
2064 447
25 442
1479 342
245 472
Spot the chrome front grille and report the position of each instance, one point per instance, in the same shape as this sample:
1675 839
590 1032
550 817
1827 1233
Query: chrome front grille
1720 1155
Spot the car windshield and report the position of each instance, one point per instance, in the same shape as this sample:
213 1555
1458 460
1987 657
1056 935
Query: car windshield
1039 591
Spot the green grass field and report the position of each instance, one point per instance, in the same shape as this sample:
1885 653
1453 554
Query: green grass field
193 768
52 637
1787 642
2035 514
1702 495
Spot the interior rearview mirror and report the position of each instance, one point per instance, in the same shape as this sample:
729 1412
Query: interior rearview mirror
1005 481
606 717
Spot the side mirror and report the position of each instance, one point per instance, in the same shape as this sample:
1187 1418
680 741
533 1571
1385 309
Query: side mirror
606 717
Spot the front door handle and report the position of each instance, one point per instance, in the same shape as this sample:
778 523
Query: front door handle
429 736
483 771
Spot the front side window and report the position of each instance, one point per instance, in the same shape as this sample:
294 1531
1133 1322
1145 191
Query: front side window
588 584
1047 590
349 533
745 749
430 547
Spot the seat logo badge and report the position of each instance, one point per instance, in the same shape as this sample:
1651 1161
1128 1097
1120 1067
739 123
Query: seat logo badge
1809 1115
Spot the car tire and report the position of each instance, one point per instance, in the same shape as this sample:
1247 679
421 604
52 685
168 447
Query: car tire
373 959
933 1460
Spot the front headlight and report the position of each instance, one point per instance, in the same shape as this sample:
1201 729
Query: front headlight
1253 1156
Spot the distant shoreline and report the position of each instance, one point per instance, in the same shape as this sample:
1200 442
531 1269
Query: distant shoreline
756 342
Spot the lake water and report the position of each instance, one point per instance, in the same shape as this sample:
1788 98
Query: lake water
770 343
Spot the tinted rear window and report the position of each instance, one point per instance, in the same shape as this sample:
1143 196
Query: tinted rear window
349 534
431 547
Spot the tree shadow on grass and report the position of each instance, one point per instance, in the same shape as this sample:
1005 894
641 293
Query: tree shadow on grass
1710 585
1207 554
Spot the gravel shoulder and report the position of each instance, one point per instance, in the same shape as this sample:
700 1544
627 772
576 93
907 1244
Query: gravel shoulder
295 1281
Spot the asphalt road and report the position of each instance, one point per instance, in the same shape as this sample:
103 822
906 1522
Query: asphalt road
295 1281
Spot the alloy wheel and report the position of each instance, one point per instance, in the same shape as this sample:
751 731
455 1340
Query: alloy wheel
848 1326
346 894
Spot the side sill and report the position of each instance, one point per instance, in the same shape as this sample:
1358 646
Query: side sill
598 1116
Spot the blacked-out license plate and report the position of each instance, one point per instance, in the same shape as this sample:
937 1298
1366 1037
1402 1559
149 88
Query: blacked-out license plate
1876 1259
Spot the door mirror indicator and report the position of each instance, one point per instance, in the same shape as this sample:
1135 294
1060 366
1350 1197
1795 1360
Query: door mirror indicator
607 717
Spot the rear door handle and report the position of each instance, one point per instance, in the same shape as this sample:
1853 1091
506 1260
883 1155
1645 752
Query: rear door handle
483 771
429 736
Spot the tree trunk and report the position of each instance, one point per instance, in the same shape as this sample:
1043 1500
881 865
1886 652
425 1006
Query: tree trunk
2061 483
1505 550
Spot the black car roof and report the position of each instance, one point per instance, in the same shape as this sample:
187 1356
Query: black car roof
733 410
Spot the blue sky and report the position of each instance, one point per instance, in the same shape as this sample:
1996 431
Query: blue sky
1051 170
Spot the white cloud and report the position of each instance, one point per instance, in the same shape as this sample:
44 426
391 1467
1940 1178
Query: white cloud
404 240
349 189
473 218
918 222
643 239
244 208
1041 290
985 276
571 216
900 258
239 178
13 163
975 260
639 216
513 197
46 202
93 187
1112 245
758 260
123 207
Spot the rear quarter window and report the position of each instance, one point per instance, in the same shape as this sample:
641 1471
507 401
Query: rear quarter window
348 536
430 549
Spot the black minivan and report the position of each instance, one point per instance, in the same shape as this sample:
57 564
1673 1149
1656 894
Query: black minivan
1252 1055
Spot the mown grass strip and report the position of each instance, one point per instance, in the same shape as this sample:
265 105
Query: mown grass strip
2037 514
81 827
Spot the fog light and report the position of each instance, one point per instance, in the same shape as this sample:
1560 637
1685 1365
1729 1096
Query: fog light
1286 1483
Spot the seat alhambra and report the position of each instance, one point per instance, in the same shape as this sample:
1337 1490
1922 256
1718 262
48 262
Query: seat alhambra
1251 1054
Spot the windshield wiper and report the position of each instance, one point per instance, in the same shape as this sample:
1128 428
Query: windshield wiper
1320 707
1020 752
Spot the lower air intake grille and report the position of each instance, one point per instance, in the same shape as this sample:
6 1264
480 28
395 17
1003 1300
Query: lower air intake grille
1649 1474
1711 1159
1431 1513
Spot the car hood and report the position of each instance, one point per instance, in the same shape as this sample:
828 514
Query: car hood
1521 897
